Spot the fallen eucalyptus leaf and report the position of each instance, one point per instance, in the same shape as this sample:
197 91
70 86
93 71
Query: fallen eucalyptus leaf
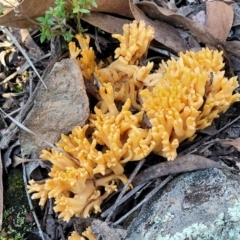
186 163
33 170
219 18
106 22
6 158
200 32
24 14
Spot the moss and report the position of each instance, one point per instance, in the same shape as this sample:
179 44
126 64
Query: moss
17 218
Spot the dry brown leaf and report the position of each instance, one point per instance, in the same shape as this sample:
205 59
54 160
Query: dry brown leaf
164 33
219 18
235 142
106 22
120 7
200 32
186 163
7 155
24 15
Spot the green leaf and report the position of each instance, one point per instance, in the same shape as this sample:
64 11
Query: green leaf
42 38
93 2
84 11
50 22
76 9
2 10
81 2
68 36
40 19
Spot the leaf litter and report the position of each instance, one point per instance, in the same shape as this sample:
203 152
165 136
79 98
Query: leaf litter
178 27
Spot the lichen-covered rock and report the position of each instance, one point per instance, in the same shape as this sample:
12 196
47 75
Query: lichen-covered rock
198 205
58 109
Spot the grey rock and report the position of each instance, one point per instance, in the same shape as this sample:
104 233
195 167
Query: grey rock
198 205
58 109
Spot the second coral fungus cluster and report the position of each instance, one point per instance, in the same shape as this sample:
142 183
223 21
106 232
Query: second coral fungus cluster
180 97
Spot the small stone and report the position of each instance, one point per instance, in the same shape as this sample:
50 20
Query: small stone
58 109
203 204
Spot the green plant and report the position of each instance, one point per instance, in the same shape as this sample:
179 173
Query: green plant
2 10
54 23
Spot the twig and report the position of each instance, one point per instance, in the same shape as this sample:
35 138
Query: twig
30 84
5 30
128 195
151 194
7 79
96 40
164 52
229 124
205 148
8 95
194 147
26 65
125 189
31 205
13 112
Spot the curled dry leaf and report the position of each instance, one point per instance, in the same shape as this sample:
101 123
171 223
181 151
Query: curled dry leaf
25 13
6 157
219 18
120 7
106 22
186 163
164 33
33 169
200 32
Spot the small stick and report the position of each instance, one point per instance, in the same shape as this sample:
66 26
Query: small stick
152 193
128 195
30 204
125 188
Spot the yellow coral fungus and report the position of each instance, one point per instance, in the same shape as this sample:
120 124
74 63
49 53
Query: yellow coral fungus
124 74
120 131
75 236
87 60
40 191
87 233
189 94
93 175
134 42
181 97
